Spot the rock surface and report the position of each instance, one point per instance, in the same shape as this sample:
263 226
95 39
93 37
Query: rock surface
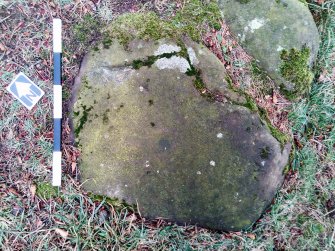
149 137
267 27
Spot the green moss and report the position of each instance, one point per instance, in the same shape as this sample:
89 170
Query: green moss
137 64
193 18
86 84
83 119
140 25
304 2
265 152
198 81
283 3
107 42
250 104
66 93
105 118
276 133
46 191
286 170
85 31
149 61
280 136
114 202
295 68
199 84
244 1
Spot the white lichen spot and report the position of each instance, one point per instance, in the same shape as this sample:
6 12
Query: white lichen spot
147 163
254 24
106 136
243 38
200 52
102 165
212 163
198 172
263 163
193 56
141 88
219 135
167 48
173 63
126 185
157 171
240 201
280 48
285 27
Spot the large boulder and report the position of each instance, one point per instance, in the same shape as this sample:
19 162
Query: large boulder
267 28
149 137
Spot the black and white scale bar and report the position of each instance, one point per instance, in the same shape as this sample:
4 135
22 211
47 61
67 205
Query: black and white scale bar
57 109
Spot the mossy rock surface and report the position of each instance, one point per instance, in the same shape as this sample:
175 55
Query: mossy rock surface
267 28
150 138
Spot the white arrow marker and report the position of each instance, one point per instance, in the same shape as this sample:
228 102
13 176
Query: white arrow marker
24 90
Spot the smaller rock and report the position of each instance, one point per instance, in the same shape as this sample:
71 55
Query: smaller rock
268 28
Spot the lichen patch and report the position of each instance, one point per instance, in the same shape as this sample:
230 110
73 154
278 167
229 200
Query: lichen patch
167 48
192 56
280 48
174 62
254 24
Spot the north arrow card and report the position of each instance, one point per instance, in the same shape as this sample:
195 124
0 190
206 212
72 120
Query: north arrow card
25 90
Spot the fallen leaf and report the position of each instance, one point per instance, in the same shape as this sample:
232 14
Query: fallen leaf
62 232
39 223
274 98
19 160
131 218
251 236
13 191
33 190
73 166
59 222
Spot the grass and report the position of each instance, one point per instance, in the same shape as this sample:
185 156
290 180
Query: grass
300 218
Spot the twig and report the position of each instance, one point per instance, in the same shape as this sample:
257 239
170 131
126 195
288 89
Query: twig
332 238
